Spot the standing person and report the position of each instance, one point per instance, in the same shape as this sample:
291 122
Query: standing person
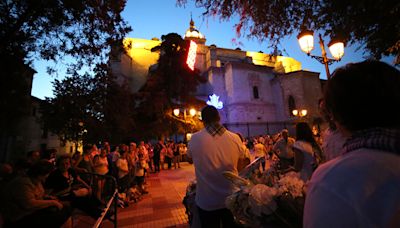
157 155
214 149
259 149
177 155
169 154
100 166
360 188
283 148
305 151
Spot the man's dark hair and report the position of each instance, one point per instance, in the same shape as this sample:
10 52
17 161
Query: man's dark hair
209 114
87 149
40 168
364 95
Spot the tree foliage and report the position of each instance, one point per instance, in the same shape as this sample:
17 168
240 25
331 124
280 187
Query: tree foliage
171 85
374 24
51 30
90 108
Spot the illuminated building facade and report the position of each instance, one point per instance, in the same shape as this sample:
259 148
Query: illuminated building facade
258 91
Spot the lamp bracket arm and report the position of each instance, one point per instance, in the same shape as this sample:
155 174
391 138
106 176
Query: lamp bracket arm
322 59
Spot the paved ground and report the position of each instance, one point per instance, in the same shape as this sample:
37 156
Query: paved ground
162 207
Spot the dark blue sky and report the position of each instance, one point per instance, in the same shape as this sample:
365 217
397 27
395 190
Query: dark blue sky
154 18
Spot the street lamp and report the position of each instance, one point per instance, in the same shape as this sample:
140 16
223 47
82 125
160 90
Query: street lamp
192 113
300 113
336 47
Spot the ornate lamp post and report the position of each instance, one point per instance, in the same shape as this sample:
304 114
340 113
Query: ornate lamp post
336 47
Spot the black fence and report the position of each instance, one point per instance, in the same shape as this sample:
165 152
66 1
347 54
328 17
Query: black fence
105 187
250 129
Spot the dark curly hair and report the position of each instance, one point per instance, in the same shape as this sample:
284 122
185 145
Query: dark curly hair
364 95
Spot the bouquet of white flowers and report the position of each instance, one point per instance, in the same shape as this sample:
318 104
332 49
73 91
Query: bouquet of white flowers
266 197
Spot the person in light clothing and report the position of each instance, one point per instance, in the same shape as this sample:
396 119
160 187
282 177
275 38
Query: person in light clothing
360 188
214 150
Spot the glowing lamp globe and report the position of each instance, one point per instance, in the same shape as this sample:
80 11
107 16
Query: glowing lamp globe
176 112
337 49
306 41
192 112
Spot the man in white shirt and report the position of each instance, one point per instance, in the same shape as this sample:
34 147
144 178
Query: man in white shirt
214 150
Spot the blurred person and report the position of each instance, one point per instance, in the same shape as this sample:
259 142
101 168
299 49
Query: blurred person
177 156
140 173
112 158
150 162
26 204
169 155
259 149
283 148
50 155
124 178
106 147
360 188
157 155
214 149
86 162
100 165
33 156
305 149
132 157
67 185
247 158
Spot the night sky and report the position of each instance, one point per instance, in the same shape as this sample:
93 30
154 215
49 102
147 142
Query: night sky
154 18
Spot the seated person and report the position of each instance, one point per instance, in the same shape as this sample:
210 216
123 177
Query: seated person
66 185
25 205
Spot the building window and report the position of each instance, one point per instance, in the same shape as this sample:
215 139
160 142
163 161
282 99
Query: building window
292 105
255 92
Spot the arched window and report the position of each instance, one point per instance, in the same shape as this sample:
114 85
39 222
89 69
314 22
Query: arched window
255 92
292 104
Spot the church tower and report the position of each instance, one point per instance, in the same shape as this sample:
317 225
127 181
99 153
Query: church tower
193 34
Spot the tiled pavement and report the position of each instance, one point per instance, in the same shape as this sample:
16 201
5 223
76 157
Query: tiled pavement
161 207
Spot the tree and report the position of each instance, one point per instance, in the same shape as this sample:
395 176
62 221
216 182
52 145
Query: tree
373 23
90 108
51 30
172 84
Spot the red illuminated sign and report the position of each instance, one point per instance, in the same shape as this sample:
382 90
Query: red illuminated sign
191 58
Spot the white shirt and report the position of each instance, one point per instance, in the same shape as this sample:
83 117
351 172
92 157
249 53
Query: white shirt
212 156
358 189
332 143
308 159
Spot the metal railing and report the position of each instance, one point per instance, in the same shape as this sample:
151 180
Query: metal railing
109 193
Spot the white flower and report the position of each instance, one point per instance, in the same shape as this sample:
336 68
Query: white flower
291 183
262 200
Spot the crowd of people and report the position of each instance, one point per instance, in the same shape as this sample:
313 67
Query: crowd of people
352 175
46 183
